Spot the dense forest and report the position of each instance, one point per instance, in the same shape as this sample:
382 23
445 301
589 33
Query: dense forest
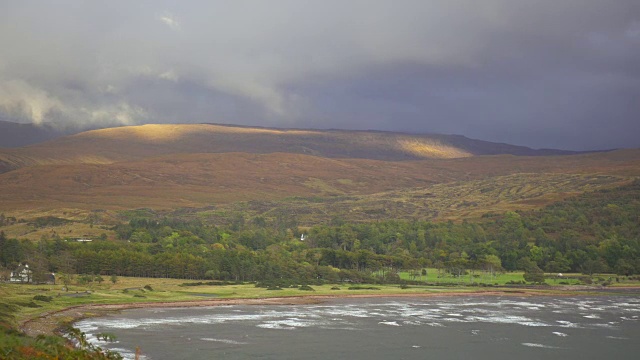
592 233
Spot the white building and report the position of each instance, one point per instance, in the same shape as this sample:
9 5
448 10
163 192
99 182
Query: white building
22 274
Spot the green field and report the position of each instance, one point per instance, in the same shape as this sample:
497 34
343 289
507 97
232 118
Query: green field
481 277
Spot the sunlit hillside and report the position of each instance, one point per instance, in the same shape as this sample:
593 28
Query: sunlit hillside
139 142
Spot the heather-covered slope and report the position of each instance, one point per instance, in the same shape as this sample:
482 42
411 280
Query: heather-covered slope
138 142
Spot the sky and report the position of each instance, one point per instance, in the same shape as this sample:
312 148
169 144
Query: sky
544 73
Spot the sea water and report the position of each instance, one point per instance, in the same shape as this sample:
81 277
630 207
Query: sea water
461 327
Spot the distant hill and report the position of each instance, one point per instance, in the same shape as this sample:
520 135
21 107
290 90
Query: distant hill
138 142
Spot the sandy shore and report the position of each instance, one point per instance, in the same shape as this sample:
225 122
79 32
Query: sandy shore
48 323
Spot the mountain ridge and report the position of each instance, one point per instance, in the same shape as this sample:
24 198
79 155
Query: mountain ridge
539 151
129 143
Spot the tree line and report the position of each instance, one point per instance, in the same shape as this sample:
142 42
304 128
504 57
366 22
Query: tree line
591 233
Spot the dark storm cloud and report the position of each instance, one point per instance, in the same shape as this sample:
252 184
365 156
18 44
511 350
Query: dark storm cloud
563 74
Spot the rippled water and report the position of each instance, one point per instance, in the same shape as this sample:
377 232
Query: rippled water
384 328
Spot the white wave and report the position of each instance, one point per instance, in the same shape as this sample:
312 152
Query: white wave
475 332
409 322
297 322
559 334
416 346
435 324
540 346
340 328
633 318
617 337
533 324
344 311
630 306
294 323
506 319
391 323
225 341
475 304
276 326
567 324
592 316
412 312
524 304
94 340
206 319
455 320
429 317
85 326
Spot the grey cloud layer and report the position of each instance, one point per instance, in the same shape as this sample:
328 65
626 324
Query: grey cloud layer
541 73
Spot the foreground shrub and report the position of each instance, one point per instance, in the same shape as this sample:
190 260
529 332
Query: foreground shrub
17 346
363 288
516 282
43 298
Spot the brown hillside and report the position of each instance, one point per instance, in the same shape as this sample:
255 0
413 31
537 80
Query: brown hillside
445 201
194 180
138 142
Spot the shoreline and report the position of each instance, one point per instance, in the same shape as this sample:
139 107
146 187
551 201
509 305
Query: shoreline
50 323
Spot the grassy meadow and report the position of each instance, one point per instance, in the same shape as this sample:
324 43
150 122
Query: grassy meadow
496 279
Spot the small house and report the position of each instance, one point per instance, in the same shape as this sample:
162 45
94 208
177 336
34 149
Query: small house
22 274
